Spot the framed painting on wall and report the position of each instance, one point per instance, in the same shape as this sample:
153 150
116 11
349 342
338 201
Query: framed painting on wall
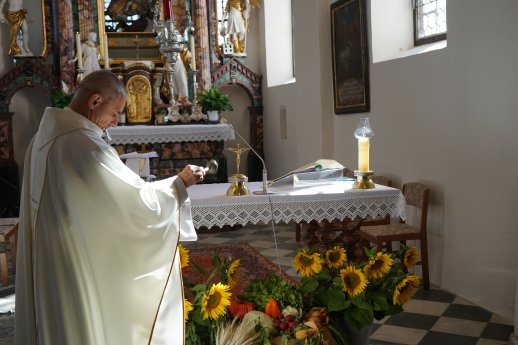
350 57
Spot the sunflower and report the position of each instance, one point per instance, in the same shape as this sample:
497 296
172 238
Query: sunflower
187 307
233 273
184 256
215 301
335 257
410 258
406 289
307 264
353 281
378 266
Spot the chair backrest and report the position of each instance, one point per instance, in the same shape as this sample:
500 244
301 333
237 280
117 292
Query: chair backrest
417 194
383 180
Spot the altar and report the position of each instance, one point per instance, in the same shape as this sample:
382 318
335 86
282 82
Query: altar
211 206
176 146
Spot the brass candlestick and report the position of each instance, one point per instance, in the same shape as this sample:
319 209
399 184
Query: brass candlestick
238 188
196 114
363 180
79 75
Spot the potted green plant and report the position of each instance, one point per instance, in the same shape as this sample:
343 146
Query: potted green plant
212 102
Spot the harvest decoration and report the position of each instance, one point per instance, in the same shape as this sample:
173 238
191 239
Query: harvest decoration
357 293
332 294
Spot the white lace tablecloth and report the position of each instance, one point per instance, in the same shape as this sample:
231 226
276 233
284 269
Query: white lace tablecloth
141 134
336 200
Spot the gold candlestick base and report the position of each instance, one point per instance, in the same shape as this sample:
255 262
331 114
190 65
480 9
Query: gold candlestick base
363 180
79 75
238 188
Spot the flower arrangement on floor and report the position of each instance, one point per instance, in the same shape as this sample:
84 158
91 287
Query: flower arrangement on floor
357 292
274 311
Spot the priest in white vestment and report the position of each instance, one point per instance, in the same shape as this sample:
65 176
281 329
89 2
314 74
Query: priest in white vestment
97 254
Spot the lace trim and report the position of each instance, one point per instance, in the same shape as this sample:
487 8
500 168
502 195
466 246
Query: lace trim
172 133
285 212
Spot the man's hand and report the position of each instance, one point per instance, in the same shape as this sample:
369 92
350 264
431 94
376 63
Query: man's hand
191 175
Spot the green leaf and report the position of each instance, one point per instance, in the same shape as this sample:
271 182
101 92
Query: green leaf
216 261
335 300
360 316
199 288
379 301
308 284
197 317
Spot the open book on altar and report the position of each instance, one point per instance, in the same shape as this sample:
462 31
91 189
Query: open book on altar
319 171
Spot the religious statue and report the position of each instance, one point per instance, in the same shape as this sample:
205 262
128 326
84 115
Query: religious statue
238 12
14 14
90 54
181 87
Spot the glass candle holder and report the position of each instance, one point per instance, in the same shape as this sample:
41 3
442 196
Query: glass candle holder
363 133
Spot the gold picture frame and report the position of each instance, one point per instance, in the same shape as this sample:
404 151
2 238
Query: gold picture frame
126 46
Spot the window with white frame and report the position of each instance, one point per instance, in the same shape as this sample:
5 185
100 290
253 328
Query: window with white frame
429 21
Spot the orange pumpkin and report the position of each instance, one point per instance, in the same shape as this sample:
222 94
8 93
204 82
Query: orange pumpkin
272 309
239 309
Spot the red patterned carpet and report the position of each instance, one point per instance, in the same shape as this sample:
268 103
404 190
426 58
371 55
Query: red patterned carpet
253 265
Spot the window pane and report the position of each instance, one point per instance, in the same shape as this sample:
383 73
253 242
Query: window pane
430 18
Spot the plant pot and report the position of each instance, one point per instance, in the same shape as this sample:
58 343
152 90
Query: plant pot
213 116
358 337
354 336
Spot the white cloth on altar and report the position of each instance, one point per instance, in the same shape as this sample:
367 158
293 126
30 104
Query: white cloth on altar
97 246
139 162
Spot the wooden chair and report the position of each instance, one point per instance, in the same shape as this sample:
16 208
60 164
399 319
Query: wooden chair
8 242
382 236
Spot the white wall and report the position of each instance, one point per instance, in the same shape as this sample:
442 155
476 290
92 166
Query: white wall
446 118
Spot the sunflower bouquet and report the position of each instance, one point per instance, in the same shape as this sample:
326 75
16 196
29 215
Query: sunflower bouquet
356 293
205 305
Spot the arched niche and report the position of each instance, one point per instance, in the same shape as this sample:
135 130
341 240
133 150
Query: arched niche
234 73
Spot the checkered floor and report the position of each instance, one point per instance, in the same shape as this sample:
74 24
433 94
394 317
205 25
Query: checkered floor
432 317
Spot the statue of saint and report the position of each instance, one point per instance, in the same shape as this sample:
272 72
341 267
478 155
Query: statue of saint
14 14
238 12
181 87
90 54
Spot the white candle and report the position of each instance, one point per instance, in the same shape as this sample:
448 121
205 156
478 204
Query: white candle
363 154
79 51
106 57
193 54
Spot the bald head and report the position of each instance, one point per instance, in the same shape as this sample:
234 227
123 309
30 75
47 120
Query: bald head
100 97
102 82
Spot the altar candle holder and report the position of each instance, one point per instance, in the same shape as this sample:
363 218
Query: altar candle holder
80 72
363 175
196 114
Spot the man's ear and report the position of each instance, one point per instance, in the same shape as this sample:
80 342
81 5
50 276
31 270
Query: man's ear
94 100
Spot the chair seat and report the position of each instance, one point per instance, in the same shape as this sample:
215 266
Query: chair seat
389 230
